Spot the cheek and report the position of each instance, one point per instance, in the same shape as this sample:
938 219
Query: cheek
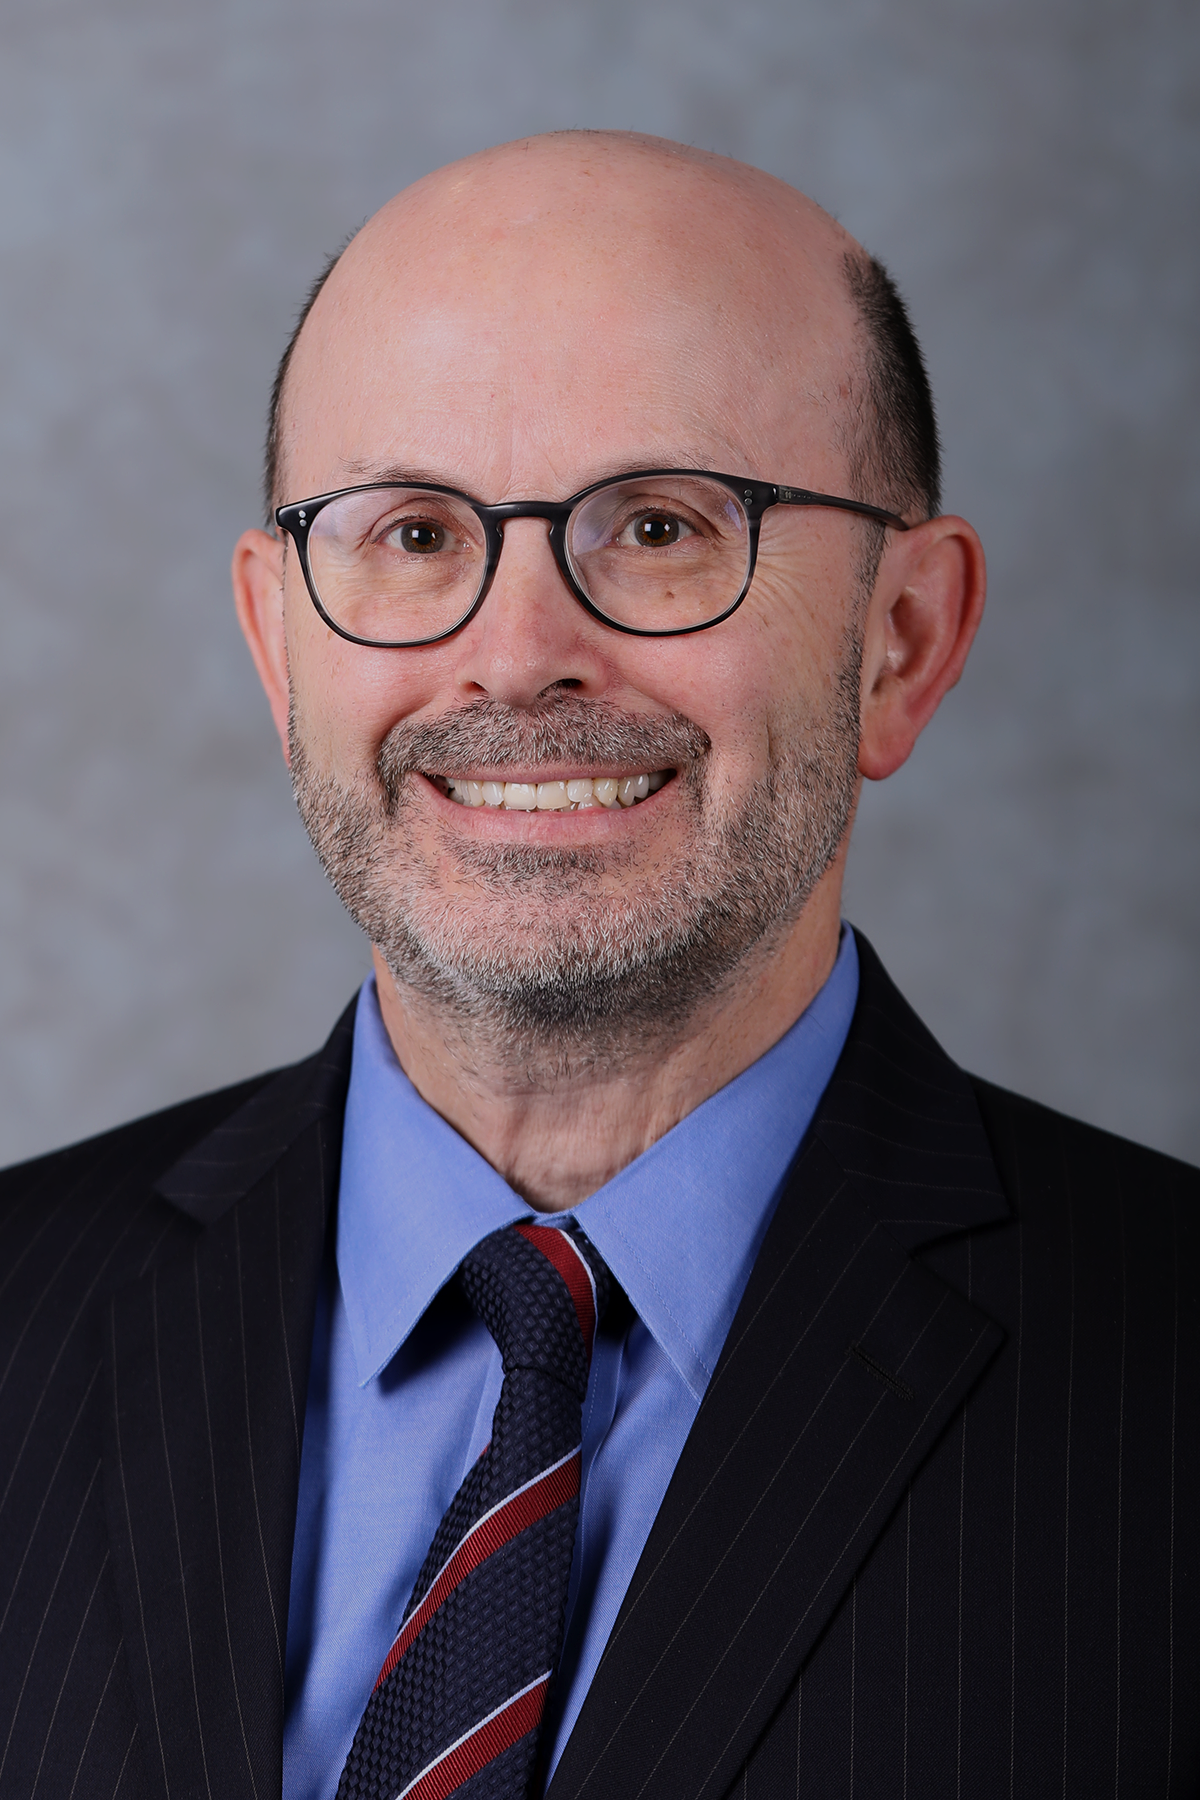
803 622
734 683
347 697
774 660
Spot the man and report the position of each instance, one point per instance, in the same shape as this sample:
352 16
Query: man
631 1358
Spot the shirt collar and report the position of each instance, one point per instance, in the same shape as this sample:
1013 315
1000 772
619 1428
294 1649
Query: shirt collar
679 1227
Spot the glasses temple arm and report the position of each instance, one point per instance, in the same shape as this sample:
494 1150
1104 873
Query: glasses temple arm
787 496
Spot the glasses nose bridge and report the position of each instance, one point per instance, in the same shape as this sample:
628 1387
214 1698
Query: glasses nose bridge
554 511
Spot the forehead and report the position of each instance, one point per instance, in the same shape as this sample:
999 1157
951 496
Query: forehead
532 324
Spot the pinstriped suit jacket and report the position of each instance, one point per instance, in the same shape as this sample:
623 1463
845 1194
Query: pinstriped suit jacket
936 1530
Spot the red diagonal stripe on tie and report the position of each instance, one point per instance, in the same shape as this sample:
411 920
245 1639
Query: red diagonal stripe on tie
553 1487
488 1740
557 1248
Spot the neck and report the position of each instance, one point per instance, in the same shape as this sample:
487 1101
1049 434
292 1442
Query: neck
558 1128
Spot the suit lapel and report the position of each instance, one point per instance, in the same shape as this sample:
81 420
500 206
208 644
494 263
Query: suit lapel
845 1362
207 1358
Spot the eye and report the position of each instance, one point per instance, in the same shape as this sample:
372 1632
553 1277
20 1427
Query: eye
656 530
420 536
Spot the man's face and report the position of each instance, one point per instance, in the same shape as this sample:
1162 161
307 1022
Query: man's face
524 333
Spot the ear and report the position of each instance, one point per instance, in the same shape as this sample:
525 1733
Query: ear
258 596
923 616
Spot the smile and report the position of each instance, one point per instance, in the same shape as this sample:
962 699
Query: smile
575 795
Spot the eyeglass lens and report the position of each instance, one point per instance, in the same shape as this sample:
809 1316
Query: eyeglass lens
664 553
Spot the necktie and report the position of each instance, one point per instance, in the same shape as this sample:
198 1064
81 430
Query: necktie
459 1700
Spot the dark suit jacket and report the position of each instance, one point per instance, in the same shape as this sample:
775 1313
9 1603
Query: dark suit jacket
936 1530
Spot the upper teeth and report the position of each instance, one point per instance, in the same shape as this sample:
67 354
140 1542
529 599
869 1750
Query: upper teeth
557 796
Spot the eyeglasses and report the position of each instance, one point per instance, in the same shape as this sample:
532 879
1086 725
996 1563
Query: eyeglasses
658 553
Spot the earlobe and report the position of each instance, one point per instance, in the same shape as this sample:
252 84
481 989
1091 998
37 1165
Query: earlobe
258 596
921 622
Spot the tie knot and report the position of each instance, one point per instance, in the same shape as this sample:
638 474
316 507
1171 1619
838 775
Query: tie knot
541 1291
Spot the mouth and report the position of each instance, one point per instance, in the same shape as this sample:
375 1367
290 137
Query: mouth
576 793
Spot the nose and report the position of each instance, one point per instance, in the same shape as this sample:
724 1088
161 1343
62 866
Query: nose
530 635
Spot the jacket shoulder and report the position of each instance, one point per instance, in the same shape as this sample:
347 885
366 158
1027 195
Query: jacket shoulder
85 1217
78 1223
154 1141
1032 1142
113 1189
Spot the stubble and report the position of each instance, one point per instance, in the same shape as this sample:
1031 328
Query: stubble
555 960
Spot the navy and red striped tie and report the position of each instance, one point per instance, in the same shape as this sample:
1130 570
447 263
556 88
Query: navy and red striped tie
458 1704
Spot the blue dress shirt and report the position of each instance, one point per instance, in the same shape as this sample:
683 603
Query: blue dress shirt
405 1379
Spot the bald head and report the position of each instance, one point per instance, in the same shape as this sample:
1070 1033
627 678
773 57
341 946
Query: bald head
509 273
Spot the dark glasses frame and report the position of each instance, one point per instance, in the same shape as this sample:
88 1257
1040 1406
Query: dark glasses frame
296 519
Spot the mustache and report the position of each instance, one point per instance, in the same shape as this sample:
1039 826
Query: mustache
486 734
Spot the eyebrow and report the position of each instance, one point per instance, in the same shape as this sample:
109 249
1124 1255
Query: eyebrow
410 475
398 475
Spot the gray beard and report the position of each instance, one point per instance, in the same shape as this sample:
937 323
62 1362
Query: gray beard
549 972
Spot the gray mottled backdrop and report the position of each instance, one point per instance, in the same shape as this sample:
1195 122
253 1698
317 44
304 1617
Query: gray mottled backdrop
172 176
